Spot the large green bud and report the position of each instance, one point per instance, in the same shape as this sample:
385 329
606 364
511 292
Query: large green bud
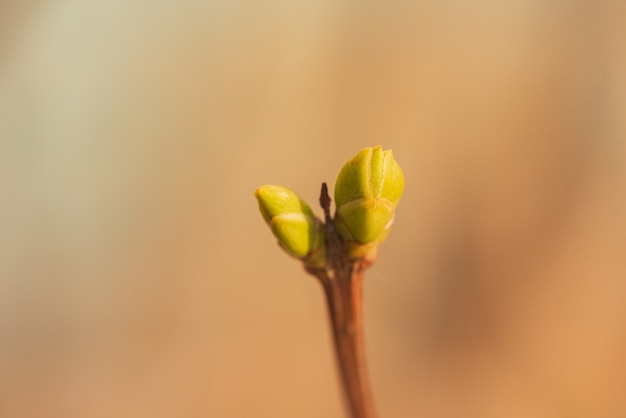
367 192
292 221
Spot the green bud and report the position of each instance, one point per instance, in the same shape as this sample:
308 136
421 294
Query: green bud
367 192
292 221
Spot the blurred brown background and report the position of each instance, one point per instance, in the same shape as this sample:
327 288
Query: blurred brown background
137 278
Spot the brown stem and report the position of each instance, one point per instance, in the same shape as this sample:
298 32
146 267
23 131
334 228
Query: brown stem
342 280
345 304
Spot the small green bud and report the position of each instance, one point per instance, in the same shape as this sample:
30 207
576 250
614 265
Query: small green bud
292 221
367 192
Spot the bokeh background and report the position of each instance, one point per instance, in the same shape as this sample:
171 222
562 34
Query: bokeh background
137 278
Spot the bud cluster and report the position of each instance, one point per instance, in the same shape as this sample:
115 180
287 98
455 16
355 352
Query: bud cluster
367 191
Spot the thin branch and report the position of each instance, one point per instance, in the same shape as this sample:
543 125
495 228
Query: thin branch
342 280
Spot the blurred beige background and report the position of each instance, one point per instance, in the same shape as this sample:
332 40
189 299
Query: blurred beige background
137 278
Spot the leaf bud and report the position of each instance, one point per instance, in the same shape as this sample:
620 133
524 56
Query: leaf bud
292 221
367 192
